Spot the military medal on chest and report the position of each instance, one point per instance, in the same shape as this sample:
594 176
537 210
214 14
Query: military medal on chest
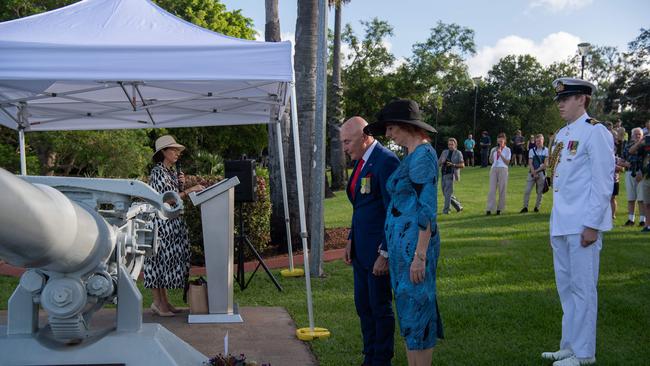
365 184
572 146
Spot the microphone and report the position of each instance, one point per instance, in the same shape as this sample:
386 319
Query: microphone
178 173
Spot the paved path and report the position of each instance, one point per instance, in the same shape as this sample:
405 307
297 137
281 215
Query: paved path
266 336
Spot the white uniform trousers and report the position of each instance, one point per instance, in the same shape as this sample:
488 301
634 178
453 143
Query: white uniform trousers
576 277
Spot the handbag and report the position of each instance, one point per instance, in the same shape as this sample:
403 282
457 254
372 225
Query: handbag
198 296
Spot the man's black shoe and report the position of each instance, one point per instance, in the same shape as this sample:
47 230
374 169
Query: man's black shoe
629 223
488 213
498 212
524 210
536 209
642 223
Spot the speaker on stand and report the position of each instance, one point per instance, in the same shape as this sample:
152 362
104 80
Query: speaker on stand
245 191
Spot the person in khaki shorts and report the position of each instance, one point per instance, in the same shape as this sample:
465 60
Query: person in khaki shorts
642 147
500 156
633 176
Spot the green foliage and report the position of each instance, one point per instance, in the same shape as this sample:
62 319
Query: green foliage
10 153
106 154
366 89
211 14
13 9
256 216
522 96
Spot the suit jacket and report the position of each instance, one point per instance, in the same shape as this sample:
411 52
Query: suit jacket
369 208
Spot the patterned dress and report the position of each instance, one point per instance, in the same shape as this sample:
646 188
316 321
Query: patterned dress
413 206
170 267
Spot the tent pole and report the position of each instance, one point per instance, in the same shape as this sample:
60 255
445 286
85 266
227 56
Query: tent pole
301 203
22 122
23 162
285 200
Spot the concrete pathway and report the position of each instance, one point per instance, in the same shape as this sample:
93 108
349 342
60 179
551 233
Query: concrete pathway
266 336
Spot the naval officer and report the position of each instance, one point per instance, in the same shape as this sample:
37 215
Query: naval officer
582 187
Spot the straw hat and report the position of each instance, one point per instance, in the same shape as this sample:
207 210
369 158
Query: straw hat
166 141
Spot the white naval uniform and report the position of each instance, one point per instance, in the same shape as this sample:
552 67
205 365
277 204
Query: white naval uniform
582 187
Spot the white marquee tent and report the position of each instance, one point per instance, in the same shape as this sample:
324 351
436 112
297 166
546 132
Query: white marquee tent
116 64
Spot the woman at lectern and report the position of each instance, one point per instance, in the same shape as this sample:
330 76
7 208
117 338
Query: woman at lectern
170 267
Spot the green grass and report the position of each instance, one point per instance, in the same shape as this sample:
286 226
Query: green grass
495 285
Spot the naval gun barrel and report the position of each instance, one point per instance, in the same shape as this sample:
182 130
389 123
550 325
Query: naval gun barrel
42 228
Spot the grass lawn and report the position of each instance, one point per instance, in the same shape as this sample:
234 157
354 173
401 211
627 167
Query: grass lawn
496 287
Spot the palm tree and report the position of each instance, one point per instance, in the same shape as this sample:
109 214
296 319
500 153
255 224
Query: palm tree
278 232
337 156
305 71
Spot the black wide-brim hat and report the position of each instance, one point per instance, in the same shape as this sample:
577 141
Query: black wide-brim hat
404 111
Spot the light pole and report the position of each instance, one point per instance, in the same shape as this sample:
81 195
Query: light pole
583 50
475 80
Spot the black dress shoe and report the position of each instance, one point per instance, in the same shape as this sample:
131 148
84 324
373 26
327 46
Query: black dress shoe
524 210
488 213
629 223
536 209
642 223
498 212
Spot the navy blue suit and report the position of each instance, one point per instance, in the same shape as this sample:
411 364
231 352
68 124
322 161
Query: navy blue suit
372 294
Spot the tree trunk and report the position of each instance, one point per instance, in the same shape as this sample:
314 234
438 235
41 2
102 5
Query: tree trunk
278 230
305 70
337 156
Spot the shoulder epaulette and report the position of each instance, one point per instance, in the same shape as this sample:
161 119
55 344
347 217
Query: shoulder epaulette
592 121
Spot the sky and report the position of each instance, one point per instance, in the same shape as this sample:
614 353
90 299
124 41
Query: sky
547 29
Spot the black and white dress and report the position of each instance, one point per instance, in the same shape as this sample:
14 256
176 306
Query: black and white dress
170 267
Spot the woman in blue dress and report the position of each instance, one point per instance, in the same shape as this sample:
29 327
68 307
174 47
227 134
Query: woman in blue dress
411 228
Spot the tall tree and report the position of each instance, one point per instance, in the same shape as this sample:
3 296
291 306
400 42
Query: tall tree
367 88
519 95
335 101
637 93
278 231
305 71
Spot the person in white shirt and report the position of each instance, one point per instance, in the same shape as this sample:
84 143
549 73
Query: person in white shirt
582 187
537 163
500 156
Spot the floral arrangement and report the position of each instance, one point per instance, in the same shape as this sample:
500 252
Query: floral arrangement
230 360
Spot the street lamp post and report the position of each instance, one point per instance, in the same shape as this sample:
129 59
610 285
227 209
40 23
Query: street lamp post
583 50
476 80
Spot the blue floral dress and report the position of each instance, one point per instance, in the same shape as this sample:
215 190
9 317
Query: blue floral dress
413 206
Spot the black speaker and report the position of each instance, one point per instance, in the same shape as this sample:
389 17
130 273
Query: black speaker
246 190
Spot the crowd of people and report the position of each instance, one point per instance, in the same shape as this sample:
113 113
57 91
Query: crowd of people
632 160
394 241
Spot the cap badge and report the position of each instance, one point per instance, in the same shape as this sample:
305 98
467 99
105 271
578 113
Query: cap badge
559 87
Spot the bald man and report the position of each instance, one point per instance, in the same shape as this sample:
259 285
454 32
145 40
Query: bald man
366 249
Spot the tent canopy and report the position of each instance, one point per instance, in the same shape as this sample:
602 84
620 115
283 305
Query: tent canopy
114 64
